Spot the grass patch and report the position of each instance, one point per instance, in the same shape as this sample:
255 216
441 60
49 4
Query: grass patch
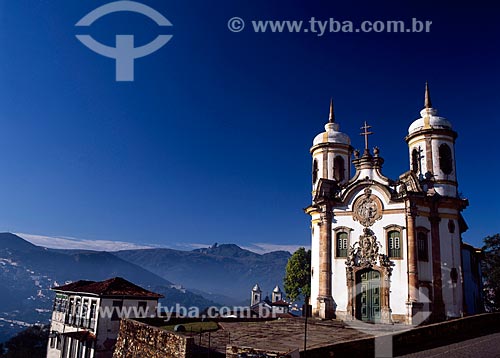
195 326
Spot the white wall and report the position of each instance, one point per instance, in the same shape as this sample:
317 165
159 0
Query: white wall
104 328
451 258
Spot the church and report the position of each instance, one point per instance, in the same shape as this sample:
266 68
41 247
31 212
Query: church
388 250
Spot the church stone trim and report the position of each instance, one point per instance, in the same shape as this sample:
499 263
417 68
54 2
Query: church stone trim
364 256
325 304
367 208
352 189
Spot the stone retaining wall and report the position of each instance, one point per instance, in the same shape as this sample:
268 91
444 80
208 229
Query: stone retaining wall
138 340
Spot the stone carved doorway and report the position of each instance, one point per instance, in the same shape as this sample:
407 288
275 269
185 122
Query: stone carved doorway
368 281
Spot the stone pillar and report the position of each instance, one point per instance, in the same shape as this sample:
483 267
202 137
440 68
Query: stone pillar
438 311
385 310
413 306
325 299
412 254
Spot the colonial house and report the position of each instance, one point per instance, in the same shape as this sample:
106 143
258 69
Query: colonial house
390 250
86 316
275 307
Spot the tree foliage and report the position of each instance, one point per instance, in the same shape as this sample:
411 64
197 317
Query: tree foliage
491 272
297 281
32 342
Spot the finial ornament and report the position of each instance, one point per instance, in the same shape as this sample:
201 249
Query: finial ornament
331 117
428 102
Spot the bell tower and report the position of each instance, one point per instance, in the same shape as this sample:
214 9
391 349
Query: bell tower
331 157
277 294
331 154
431 144
256 295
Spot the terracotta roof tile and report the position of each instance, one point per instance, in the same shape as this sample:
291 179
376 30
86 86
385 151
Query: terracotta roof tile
116 286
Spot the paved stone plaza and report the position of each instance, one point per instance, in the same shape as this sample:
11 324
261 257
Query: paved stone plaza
281 335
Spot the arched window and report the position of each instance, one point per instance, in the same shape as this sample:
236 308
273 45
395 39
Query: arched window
414 160
339 168
422 246
315 171
445 159
451 226
394 244
341 247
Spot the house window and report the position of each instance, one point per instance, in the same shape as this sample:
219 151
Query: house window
92 316
78 305
64 304
117 307
394 244
341 250
422 249
85 308
339 168
445 159
142 307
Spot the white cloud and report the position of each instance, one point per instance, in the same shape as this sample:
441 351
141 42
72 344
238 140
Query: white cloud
64 242
80 244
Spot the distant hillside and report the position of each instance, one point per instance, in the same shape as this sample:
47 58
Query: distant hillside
224 269
27 272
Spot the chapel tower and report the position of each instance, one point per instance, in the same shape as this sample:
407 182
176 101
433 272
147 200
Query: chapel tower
256 295
431 143
277 294
331 157
331 154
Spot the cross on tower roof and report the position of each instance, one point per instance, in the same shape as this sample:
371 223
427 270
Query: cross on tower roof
366 133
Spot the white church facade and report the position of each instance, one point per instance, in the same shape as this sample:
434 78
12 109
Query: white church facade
387 250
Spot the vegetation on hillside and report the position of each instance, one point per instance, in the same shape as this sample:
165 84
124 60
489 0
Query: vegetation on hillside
32 343
491 272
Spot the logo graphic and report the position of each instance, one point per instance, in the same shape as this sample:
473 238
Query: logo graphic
124 53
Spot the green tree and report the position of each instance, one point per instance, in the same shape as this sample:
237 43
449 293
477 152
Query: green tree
298 275
491 272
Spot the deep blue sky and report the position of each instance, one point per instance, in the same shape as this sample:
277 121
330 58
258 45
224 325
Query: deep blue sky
211 142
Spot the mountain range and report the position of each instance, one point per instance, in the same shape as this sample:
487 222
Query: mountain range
221 269
221 274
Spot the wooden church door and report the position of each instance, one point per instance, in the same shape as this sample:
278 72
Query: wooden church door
368 296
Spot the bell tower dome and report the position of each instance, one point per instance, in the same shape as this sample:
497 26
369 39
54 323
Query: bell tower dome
256 295
331 153
431 143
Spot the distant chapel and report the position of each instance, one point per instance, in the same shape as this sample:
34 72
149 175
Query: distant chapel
390 250
275 306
